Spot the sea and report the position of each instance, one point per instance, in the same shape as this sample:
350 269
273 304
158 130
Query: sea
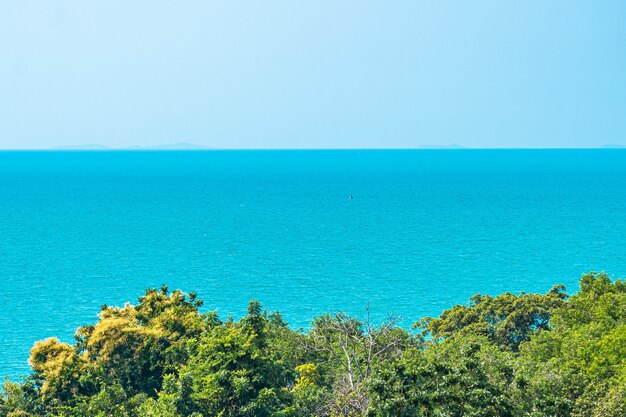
407 233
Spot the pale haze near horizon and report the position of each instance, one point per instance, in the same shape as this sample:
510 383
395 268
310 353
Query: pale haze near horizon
281 74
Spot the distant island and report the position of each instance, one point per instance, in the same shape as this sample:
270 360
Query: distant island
451 146
97 147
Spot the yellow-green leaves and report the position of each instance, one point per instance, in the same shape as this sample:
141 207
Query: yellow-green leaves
60 366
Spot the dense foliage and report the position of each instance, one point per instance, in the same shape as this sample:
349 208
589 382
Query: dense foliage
511 355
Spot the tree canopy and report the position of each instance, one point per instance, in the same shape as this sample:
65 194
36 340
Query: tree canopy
534 355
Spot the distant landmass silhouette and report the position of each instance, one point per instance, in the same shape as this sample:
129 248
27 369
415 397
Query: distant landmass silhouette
173 146
451 146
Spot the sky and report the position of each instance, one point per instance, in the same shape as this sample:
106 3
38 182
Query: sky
312 74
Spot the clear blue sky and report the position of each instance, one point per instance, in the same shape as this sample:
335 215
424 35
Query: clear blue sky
312 74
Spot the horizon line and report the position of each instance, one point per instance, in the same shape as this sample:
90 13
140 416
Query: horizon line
208 149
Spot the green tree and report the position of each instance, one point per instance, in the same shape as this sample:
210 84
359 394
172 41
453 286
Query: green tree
507 319
526 355
233 371
462 376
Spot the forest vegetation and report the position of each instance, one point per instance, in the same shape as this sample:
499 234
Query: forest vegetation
511 355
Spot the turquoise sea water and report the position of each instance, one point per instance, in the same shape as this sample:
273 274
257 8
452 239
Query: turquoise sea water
426 229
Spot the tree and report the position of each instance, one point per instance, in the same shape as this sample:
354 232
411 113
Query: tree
354 347
463 376
233 371
524 355
507 319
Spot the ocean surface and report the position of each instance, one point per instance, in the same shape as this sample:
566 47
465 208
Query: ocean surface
426 229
